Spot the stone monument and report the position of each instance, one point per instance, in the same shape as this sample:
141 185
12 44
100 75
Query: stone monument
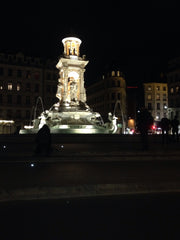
71 114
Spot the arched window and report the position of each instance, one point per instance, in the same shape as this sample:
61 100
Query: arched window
113 73
9 86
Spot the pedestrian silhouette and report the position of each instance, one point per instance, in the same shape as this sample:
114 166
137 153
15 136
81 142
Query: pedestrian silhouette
144 123
43 141
175 124
165 126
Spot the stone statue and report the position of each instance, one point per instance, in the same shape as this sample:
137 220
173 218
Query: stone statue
73 91
112 125
43 117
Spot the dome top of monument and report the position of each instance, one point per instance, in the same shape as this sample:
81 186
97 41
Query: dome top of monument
71 39
71 46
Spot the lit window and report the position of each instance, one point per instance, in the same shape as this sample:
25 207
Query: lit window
149 88
18 87
9 86
158 88
118 73
149 97
157 96
172 90
177 89
113 73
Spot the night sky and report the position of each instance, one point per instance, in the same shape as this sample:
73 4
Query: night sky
139 38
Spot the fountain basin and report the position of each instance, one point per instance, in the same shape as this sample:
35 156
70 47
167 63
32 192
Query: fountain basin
71 129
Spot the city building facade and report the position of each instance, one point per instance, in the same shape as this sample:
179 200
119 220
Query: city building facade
109 95
156 99
173 79
22 80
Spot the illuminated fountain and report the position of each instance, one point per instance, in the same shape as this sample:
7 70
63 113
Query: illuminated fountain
71 114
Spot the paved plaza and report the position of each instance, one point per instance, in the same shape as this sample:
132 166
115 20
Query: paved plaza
91 147
86 166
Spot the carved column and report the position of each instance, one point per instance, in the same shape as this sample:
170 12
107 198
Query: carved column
65 94
82 89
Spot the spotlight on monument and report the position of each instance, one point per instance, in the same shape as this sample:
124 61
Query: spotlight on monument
71 114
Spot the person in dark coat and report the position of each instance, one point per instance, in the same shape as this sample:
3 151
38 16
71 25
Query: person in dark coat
43 141
165 126
175 124
144 123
